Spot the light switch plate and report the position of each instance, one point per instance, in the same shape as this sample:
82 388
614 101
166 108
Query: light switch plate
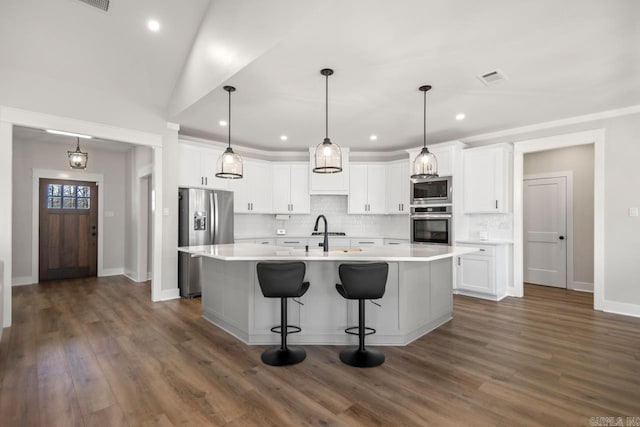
633 211
281 231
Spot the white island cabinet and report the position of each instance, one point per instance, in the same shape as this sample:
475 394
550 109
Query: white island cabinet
418 296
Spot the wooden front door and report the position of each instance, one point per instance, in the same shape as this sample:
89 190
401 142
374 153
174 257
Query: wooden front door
68 229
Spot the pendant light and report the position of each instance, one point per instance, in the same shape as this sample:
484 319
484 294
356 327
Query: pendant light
328 155
78 159
425 164
229 163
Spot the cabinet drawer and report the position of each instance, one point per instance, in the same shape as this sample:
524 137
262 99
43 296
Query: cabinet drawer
266 241
292 243
356 243
484 250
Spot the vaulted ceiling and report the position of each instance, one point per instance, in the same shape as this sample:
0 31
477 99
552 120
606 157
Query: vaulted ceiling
561 58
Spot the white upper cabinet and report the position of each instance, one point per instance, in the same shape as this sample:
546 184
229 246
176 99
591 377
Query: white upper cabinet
291 188
487 179
398 186
329 183
197 167
253 192
367 189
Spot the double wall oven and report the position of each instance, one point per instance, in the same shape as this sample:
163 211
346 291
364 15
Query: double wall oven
431 210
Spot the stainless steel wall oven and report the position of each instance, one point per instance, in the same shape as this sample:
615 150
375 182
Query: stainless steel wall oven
431 224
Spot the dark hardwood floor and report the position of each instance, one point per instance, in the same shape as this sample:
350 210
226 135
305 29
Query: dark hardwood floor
98 352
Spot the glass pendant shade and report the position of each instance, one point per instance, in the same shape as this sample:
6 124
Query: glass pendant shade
328 158
328 155
229 165
78 159
425 165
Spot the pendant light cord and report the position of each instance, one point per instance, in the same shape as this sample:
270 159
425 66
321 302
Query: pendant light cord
229 121
425 120
326 107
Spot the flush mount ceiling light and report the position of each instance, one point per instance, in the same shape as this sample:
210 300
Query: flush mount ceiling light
283 137
460 116
78 159
328 155
153 25
425 164
222 122
229 163
373 137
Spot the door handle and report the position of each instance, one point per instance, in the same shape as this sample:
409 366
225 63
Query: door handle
561 237
93 234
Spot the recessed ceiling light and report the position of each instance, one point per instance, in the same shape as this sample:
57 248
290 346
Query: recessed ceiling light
153 25
373 137
60 132
222 122
284 137
460 116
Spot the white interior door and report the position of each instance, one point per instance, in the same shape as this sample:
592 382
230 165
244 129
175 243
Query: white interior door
545 226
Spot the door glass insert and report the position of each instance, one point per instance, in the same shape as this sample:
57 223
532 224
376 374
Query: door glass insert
61 196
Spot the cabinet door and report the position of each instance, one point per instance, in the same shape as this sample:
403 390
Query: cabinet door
376 189
358 189
260 186
393 188
482 183
445 160
240 188
281 188
209 164
189 174
299 189
476 273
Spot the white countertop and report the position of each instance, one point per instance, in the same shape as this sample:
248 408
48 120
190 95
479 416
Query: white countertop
257 252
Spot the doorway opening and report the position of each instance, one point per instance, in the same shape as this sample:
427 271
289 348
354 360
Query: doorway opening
546 170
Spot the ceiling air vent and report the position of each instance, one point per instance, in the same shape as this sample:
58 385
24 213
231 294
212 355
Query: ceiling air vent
492 78
100 4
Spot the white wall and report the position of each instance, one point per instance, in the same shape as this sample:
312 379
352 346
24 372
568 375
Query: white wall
335 210
579 160
28 155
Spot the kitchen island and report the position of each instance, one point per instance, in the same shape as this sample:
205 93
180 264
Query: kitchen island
418 296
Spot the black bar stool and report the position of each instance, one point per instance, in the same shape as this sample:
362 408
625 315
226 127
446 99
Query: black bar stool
283 280
362 282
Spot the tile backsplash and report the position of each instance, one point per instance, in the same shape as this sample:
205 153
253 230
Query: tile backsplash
334 208
497 226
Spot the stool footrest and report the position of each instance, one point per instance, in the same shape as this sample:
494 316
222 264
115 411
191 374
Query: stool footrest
291 329
370 331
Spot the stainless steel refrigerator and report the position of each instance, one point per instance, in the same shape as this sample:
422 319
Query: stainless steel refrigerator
205 217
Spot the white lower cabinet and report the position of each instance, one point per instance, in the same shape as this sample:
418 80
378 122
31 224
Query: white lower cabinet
483 274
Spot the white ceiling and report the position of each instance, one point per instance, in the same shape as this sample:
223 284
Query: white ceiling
563 59
40 136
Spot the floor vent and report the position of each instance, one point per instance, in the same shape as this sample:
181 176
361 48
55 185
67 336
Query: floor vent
100 4
492 78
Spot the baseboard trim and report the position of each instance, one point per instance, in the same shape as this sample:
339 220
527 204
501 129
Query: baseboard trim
168 294
23 280
112 272
581 286
623 308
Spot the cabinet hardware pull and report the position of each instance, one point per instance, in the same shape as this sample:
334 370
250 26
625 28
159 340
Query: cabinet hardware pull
206 180
482 250
458 260
399 207
496 204
248 206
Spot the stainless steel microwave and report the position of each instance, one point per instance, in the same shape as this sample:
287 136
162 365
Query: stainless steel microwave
432 191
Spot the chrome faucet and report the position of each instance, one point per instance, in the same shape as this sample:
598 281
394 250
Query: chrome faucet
325 245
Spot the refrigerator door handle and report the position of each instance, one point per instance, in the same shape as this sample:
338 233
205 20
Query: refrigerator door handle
214 212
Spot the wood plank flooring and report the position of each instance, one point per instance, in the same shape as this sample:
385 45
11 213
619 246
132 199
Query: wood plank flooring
97 352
